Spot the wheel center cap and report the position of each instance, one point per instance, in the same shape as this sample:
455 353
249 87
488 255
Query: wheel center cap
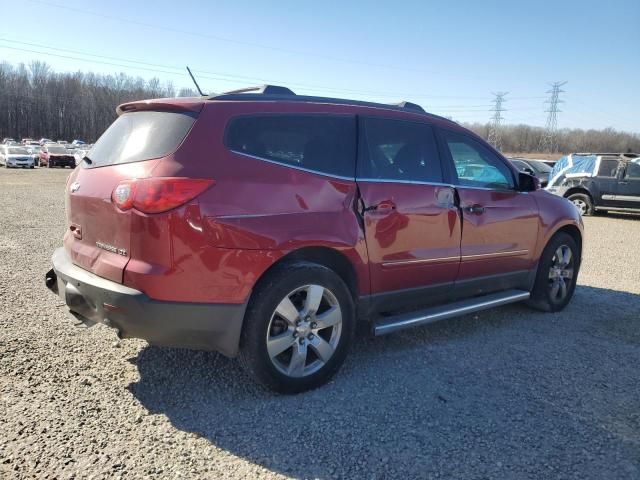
303 329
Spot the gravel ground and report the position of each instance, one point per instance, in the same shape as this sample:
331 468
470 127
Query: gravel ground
507 393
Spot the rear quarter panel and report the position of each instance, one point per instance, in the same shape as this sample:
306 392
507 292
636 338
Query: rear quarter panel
264 209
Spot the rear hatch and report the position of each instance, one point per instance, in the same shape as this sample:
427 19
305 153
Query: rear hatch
99 233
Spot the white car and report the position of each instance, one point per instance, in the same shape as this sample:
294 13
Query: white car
16 156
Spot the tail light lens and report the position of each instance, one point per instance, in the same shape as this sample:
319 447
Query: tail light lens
157 195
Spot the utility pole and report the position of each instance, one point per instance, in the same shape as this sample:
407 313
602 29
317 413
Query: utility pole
549 141
494 127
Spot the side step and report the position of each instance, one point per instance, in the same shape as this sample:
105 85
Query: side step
442 312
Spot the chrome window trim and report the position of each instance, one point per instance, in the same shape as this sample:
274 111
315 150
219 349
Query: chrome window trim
408 182
288 165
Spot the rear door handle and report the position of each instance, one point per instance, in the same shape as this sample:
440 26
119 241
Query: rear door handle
474 209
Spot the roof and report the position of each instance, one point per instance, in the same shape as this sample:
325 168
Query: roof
266 93
274 93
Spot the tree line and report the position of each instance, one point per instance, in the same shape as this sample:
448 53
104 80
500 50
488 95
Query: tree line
526 139
37 102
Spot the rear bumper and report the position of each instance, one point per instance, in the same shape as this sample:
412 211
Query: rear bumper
94 299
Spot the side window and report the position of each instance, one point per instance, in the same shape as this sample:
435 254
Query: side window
633 170
321 143
475 165
398 150
608 168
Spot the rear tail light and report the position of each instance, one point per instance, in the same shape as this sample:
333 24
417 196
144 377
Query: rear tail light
157 195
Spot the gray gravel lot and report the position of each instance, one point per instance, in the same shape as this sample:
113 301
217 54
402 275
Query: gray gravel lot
507 393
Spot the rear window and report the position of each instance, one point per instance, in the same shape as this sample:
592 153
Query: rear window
321 143
140 136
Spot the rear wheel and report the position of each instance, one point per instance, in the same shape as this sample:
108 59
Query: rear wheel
582 202
557 274
297 328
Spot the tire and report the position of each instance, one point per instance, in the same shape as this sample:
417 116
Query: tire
556 279
309 354
583 203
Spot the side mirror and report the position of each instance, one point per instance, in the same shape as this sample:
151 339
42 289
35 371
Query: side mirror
527 183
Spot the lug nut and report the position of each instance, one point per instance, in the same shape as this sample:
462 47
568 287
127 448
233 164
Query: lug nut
314 325
311 336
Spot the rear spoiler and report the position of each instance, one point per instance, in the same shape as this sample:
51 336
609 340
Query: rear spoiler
187 104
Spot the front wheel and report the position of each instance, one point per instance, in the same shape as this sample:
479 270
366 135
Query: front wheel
298 328
557 274
583 203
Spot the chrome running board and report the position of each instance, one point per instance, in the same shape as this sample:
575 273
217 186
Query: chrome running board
442 312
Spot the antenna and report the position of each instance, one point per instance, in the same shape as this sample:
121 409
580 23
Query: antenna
196 83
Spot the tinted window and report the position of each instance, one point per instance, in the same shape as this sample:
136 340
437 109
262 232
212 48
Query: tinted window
321 143
398 150
608 168
475 165
140 136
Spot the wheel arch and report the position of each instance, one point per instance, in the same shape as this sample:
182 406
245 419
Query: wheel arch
581 190
328 257
573 231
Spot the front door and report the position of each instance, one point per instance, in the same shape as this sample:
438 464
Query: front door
628 191
607 181
411 222
500 224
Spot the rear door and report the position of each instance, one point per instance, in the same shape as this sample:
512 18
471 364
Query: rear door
411 223
500 224
98 238
628 193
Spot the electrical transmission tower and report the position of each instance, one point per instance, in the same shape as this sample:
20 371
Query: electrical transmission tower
549 141
494 127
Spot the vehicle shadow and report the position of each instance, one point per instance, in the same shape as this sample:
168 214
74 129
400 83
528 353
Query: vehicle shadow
465 398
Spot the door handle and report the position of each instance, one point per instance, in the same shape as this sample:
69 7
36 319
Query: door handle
385 205
474 209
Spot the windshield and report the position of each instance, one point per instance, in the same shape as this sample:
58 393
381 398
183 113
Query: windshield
18 151
138 136
54 149
539 166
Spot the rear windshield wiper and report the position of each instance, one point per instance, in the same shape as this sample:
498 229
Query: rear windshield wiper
87 159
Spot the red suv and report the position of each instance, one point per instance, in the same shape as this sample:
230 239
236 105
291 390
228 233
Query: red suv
263 224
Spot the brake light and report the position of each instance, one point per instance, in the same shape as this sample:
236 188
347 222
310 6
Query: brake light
157 195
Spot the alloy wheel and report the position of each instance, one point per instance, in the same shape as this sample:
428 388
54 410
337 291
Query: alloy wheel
304 331
581 205
561 273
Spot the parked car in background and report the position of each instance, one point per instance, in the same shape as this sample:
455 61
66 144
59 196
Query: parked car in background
55 155
8 140
254 225
78 143
44 141
598 182
14 156
537 168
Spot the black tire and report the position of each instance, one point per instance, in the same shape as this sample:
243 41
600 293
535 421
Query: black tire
271 290
583 203
542 295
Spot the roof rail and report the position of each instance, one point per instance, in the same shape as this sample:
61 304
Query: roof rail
263 90
409 106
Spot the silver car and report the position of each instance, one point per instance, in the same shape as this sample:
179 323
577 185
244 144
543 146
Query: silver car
16 156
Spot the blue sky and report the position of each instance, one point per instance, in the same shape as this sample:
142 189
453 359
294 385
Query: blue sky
446 56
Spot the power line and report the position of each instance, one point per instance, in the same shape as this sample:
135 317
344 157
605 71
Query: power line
218 76
549 142
196 33
494 129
